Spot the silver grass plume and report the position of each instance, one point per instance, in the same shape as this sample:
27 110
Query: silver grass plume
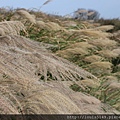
45 3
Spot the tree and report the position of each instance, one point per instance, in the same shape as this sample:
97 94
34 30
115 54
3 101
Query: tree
93 15
84 14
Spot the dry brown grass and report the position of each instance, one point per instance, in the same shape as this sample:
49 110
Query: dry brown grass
41 24
53 26
46 98
109 80
89 83
100 68
26 15
9 103
89 24
30 57
114 85
23 62
51 98
91 33
76 49
69 24
117 105
112 92
11 27
70 52
50 26
6 104
108 54
35 81
104 28
49 101
93 58
83 45
116 51
102 65
103 43
6 107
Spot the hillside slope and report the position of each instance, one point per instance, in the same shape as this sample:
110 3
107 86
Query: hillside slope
44 62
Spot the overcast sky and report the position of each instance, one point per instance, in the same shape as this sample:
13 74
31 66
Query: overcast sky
106 8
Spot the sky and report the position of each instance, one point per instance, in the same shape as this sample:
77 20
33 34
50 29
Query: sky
107 8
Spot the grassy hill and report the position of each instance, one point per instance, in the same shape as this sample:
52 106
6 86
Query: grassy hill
52 64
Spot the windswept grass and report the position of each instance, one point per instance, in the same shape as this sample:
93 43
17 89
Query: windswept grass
26 15
11 27
32 74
